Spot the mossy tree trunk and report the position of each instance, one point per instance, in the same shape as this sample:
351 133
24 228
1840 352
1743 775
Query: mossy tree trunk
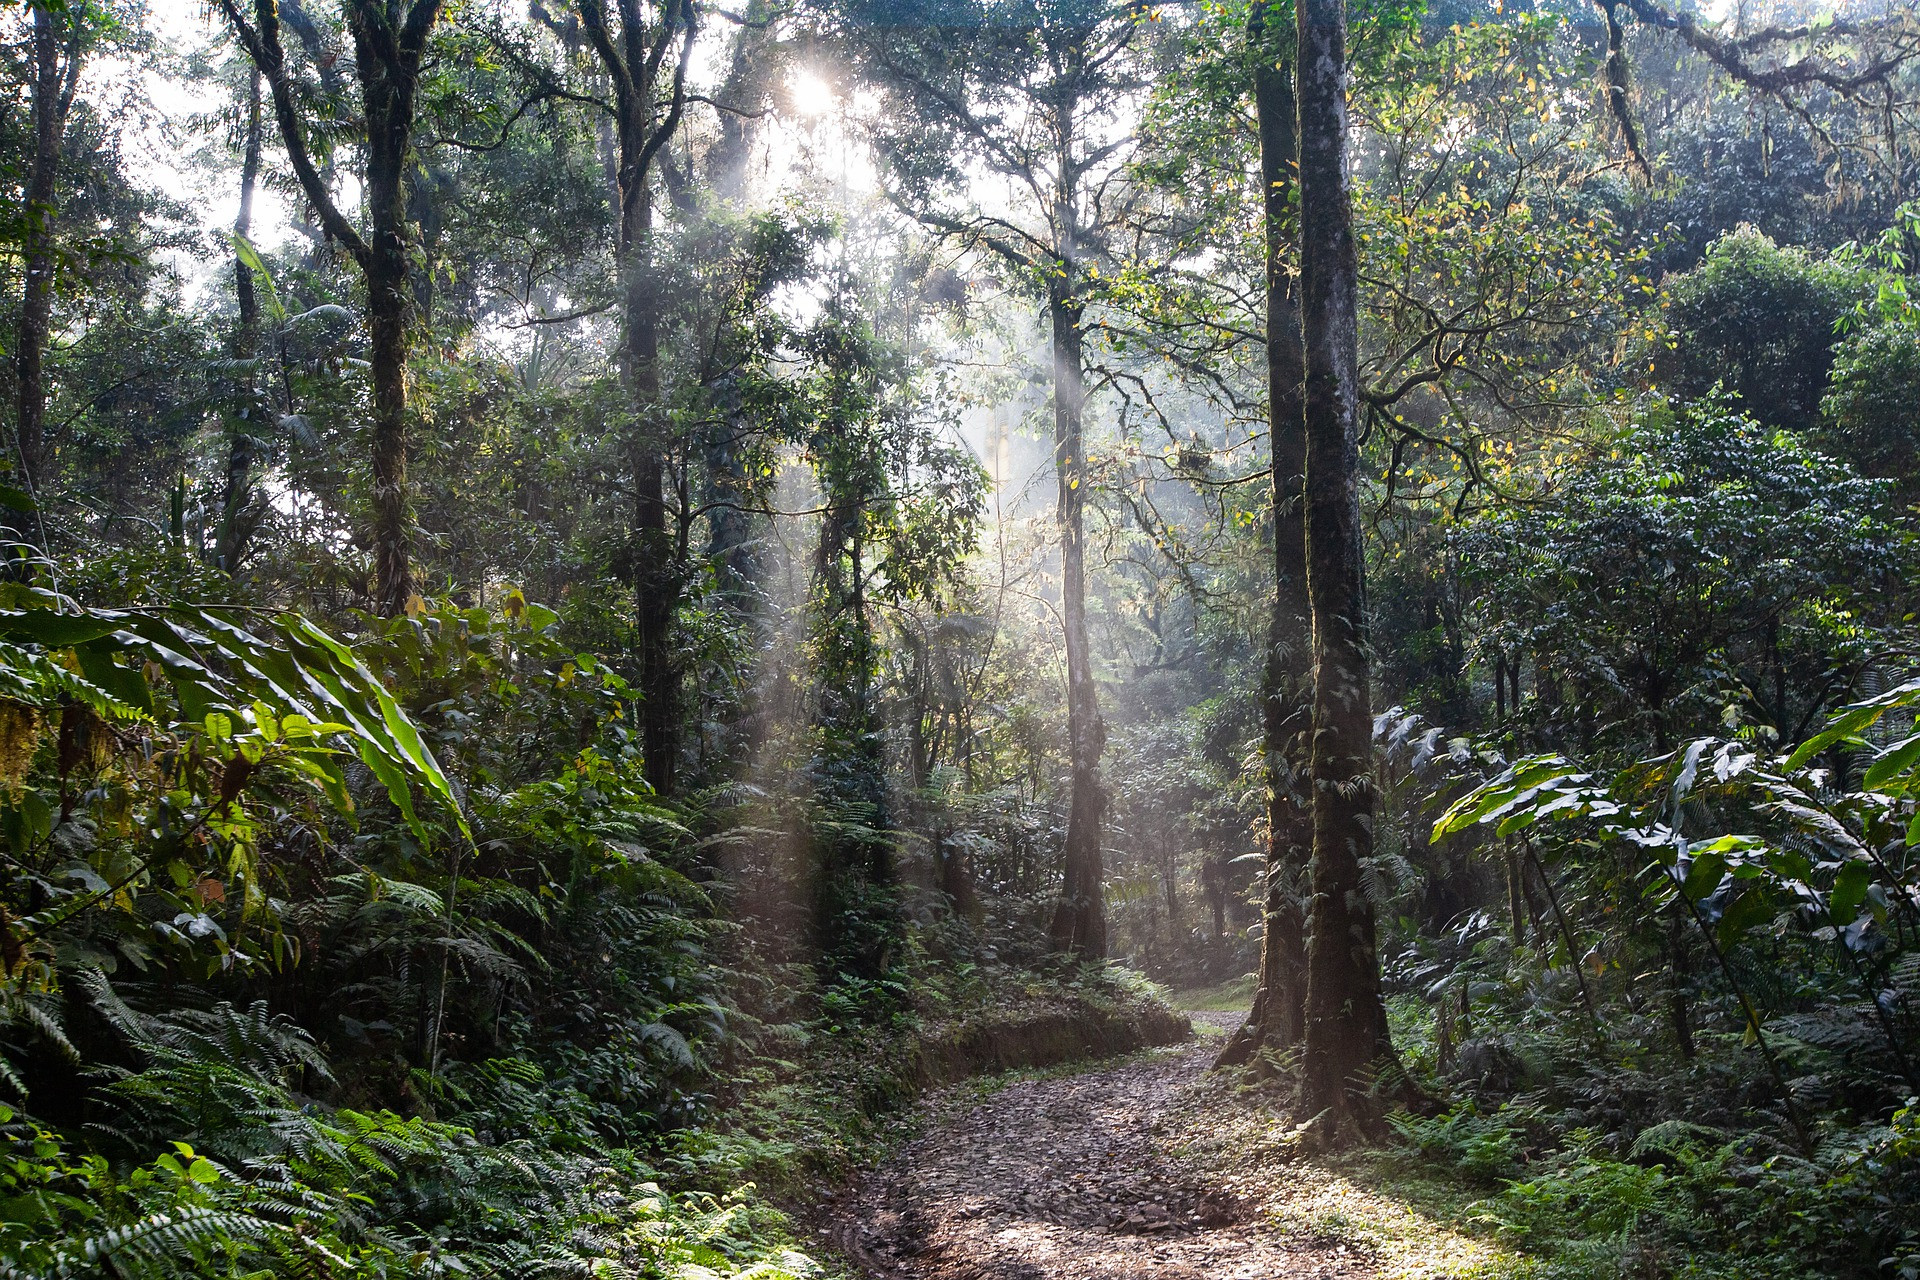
1346 1039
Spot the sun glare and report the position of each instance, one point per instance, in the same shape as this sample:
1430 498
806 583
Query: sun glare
810 95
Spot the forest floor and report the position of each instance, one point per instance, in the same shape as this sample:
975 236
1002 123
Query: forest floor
1145 1166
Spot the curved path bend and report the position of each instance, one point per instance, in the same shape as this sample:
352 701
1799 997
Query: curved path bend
1071 1178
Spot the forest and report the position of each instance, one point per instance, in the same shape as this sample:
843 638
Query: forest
941 639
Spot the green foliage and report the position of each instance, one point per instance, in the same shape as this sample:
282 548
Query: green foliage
1685 1200
1652 587
287 1188
1822 873
1484 1148
1761 321
567 904
152 755
1868 414
361 946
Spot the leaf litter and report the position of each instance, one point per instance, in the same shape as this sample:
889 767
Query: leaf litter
1091 1176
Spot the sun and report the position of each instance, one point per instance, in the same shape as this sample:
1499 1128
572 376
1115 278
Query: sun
810 95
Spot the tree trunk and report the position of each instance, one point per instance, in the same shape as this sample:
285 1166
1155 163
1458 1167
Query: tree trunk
54 78
236 500
956 876
388 299
1347 1040
1079 920
655 580
731 528
747 91
388 91
634 57
389 43
1278 1013
1679 992
1516 909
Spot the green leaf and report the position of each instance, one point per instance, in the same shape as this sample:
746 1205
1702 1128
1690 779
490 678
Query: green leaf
1703 875
1849 891
123 683
1513 785
26 822
218 669
1689 769
57 630
1754 907
1891 763
386 740
250 256
1849 722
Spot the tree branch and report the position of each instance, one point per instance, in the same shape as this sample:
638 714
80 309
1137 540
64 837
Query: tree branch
262 44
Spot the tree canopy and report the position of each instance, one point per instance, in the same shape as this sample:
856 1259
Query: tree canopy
594 593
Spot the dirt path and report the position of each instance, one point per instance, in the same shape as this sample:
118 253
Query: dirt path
1073 1178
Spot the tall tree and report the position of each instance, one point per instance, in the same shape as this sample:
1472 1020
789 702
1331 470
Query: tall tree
54 65
1032 92
1346 1035
389 43
634 44
237 517
1278 1011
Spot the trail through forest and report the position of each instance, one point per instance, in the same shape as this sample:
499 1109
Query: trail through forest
1080 1177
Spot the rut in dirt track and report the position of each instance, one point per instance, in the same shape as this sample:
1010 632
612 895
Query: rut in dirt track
1073 1178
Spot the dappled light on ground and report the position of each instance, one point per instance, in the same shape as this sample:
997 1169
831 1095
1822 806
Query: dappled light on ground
1148 1167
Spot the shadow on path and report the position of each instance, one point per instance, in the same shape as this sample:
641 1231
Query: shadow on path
1072 1178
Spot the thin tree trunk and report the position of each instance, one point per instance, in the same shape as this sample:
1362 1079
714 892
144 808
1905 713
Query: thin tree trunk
388 91
634 57
389 43
55 75
1516 910
1278 1017
731 528
655 581
1679 992
388 308
236 498
1347 1040
956 876
747 90
1079 920
389 108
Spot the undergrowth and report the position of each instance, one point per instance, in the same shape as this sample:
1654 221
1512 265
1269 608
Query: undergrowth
1680 1199
1636 1164
508 1171
266 1014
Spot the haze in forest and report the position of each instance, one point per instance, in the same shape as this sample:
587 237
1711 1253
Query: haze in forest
939 638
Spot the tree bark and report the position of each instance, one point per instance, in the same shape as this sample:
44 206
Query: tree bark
55 70
1079 919
1278 1016
732 529
956 877
236 499
655 580
387 83
633 56
1346 1041
388 44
